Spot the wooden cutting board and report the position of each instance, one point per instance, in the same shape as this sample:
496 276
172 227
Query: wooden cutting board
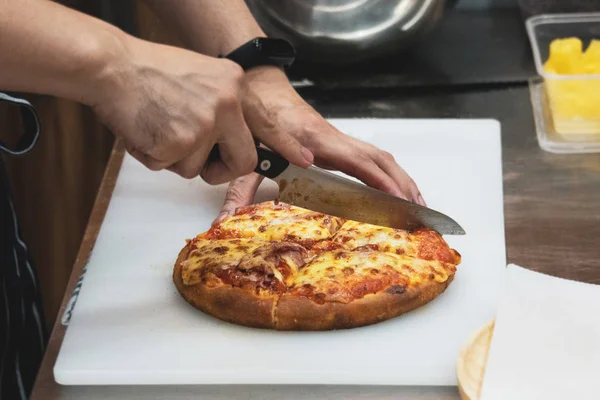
129 325
472 359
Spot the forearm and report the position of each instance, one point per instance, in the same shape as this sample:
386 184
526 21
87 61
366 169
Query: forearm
50 49
208 26
216 28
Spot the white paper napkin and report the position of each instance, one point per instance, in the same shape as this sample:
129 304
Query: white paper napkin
546 341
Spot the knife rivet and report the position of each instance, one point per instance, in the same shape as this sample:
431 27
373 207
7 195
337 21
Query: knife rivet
265 165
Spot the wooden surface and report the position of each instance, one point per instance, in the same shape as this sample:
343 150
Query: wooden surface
551 210
54 187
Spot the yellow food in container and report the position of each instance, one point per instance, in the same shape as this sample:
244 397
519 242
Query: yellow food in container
573 91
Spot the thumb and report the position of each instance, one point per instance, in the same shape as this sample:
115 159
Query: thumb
240 193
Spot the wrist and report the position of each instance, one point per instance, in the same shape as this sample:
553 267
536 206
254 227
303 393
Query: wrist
266 75
269 81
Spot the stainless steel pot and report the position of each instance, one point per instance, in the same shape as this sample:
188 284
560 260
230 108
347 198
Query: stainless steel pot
341 31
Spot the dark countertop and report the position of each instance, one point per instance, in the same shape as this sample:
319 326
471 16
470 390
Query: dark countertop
552 219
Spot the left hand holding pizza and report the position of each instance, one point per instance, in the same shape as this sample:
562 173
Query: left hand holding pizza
331 148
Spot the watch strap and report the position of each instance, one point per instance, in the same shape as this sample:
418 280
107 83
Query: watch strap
263 51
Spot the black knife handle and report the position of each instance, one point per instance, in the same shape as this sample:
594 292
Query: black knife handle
269 164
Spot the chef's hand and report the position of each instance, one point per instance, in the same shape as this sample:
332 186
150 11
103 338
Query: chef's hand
172 105
331 148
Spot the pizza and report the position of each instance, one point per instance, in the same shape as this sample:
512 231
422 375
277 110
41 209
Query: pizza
276 266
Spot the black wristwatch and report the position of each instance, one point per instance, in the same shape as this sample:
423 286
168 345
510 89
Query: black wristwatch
263 51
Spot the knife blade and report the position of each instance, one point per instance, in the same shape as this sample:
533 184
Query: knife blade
319 190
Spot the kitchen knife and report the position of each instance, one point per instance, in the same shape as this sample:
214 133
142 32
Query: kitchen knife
319 190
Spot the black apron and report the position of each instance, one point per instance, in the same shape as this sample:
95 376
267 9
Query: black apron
23 335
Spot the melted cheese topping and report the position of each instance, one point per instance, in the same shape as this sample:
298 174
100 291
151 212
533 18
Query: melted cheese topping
347 259
355 234
238 261
342 275
424 244
208 254
278 222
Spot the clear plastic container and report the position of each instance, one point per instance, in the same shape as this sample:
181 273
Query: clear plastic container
566 107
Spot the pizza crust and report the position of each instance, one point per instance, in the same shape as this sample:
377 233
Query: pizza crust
231 304
303 314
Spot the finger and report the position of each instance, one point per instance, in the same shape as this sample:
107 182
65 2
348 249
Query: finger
237 151
360 165
148 161
191 166
370 174
240 193
365 162
268 132
407 185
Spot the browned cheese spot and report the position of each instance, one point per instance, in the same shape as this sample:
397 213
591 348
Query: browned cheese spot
221 249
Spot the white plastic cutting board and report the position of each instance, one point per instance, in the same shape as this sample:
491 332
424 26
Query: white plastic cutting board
130 326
